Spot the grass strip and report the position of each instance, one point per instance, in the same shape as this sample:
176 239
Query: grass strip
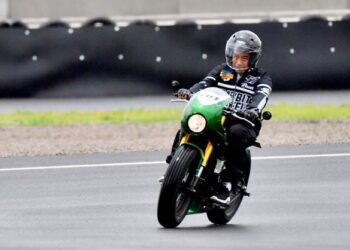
91 117
280 112
309 112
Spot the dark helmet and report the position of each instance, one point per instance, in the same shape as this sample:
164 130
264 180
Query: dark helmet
243 41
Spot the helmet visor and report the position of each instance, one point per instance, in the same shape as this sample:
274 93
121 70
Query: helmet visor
238 47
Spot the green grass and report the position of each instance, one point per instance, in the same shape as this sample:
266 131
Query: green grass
280 112
93 117
308 112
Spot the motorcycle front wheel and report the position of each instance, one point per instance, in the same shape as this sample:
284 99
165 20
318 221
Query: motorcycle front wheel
174 199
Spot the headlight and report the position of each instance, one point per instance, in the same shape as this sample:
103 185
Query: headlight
196 123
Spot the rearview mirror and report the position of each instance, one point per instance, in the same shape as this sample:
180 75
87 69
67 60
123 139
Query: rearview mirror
267 115
176 85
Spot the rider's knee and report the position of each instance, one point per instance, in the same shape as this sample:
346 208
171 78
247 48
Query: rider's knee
240 136
237 135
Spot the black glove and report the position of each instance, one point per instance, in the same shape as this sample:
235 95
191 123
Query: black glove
251 115
184 94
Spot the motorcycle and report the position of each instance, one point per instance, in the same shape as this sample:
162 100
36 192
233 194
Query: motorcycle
196 168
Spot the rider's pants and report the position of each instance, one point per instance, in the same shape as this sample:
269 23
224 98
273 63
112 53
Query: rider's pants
240 136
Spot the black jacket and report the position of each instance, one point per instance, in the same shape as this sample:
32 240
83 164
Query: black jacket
251 91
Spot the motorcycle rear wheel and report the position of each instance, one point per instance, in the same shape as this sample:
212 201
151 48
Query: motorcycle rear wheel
174 200
222 217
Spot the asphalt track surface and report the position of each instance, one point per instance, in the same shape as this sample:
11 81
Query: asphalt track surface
300 200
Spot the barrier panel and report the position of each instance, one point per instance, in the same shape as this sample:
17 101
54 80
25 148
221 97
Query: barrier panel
103 59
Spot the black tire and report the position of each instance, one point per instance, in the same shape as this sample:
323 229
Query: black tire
222 217
174 200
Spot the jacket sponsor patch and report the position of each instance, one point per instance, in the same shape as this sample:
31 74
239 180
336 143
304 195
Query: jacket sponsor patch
226 75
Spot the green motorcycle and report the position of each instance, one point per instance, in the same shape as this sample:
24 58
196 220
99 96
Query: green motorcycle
196 167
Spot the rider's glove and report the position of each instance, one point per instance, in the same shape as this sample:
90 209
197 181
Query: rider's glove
251 114
184 94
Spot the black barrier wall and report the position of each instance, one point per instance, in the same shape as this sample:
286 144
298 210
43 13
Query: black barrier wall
143 58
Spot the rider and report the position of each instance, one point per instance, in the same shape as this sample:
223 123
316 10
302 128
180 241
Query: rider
249 87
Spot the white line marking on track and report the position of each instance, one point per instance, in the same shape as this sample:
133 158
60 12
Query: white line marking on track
299 156
84 166
162 162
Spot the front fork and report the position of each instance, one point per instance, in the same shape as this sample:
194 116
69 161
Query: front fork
205 157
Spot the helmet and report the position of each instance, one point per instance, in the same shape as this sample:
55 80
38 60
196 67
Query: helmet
243 41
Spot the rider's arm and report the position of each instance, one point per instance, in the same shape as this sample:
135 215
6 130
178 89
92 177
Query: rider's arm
209 81
262 93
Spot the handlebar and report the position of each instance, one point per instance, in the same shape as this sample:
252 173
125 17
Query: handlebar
240 115
187 99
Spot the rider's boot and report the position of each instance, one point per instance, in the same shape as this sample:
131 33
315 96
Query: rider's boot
238 182
222 194
161 179
174 147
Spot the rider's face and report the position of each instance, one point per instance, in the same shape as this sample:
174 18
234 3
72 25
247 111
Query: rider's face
240 62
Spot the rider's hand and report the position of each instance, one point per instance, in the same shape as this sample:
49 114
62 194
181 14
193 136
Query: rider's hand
251 114
184 94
